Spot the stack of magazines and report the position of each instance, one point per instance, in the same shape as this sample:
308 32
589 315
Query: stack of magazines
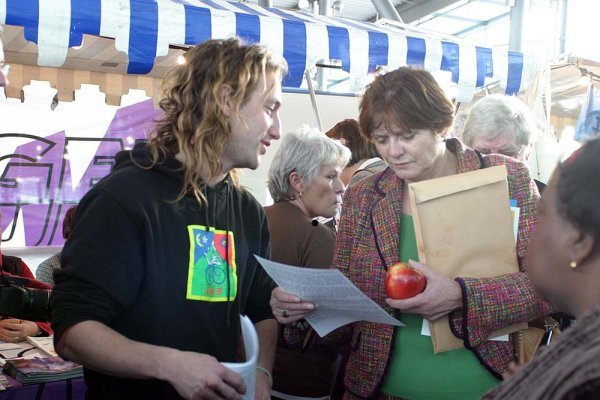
38 370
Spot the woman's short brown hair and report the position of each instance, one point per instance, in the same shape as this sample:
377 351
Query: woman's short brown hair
68 222
407 99
348 132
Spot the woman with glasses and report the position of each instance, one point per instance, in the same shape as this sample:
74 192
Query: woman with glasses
503 125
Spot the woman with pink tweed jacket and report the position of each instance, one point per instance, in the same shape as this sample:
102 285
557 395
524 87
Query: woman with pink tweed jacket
408 115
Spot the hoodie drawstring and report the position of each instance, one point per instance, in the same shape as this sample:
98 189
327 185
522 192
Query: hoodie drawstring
228 323
227 266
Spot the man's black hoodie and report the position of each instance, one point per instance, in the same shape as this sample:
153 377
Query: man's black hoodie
154 269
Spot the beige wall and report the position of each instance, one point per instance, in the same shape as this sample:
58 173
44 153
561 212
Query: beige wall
559 124
66 81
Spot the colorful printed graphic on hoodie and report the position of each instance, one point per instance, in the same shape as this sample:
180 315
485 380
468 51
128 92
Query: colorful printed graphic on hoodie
211 271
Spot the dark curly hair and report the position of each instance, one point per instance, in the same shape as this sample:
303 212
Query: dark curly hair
579 188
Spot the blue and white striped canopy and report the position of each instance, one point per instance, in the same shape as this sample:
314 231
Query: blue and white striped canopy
144 29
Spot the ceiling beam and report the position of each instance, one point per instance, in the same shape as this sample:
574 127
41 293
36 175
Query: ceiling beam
386 9
481 25
411 12
458 18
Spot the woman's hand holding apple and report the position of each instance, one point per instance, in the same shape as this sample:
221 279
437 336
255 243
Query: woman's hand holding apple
403 282
441 296
288 308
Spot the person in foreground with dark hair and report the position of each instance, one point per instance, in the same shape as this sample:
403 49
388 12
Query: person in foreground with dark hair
45 271
564 267
160 263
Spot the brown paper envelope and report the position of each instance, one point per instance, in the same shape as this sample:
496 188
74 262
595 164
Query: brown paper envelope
463 227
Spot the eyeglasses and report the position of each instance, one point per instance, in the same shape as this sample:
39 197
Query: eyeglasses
510 152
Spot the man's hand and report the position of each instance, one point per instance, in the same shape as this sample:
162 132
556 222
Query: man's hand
200 376
16 330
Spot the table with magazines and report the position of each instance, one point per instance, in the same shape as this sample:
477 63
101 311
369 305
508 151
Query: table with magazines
29 372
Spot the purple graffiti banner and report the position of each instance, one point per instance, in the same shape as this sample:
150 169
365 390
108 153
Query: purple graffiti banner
37 184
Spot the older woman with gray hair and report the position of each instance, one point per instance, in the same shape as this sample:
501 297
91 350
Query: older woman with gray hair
304 181
501 124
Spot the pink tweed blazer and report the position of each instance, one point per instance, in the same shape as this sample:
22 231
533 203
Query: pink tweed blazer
368 242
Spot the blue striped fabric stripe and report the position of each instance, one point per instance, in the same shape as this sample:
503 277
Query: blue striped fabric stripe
378 50
339 45
515 71
24 13
198 25
294 51
247 27
450 54
485 66
416 51
85 18
143 31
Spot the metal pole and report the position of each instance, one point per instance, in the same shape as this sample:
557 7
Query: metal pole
563 27
324 8
313 98
517 12
265 3
322 74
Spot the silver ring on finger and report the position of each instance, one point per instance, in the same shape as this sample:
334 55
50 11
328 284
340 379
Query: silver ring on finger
285 313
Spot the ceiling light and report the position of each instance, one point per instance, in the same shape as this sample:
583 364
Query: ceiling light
303 4
337 8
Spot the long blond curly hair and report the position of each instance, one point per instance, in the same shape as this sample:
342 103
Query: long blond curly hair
194 125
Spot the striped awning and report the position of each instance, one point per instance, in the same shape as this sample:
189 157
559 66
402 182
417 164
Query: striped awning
144 29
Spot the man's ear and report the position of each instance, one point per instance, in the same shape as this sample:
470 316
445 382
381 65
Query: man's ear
224 100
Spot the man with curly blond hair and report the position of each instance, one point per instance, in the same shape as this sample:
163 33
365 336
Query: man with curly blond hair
160 263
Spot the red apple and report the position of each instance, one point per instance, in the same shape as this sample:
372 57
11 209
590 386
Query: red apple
403 281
